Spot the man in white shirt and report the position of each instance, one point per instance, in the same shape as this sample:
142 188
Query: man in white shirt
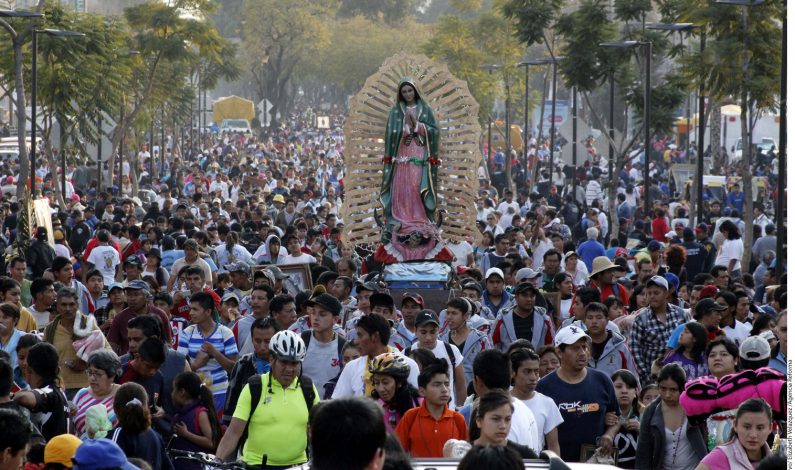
294 253
323 345
508 202
105 258
372 332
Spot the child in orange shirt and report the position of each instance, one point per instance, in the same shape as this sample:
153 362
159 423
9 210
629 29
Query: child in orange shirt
424 430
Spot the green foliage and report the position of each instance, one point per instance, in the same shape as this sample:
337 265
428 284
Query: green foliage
531 18
631 10
720 67
357 48
466 46
586 64
389 11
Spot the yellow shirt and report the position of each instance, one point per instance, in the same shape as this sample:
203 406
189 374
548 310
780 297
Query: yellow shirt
27 322
278 426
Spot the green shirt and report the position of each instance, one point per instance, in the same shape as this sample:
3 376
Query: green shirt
26 299
278 426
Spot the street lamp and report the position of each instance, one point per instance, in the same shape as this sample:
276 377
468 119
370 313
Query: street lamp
646 113
554 62
490 68
34 117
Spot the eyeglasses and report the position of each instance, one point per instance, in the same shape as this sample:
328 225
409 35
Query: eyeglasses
97 374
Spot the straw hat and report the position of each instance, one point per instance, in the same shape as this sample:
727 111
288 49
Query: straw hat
601 264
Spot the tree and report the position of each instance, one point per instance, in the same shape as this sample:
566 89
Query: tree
728 71
388 11
170 38
283 36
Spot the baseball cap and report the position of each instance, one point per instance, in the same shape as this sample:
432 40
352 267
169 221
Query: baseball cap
267 274
368 286
767 335
278 198
100 454
673 280
671 234
415 297
568 255
472 284
495 271
755 348
704 306
525 274
461 269
702 227
230 296
138 285
133 260
708 292
679 225
238 267
654 245
770 228
657 281
61 449
115 285
525 286
570 335
327 302
425 317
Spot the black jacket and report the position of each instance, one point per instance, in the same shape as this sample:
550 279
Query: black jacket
651 438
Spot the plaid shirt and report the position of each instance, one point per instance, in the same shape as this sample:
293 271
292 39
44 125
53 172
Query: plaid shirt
648 337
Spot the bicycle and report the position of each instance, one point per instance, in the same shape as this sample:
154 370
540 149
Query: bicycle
208 461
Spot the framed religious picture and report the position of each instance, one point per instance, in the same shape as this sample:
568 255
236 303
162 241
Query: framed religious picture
590 454
299 278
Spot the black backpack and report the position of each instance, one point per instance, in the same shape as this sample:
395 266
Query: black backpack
307 335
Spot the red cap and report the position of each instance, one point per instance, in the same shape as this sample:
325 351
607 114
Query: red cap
415 297
461 269
708 291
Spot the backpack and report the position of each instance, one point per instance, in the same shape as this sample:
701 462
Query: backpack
447 348
255 387
307 335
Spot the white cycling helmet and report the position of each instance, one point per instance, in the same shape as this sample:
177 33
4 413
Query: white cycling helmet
288 346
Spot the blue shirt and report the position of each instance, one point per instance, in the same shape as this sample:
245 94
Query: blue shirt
588 250
735 200
11 346
169 257
583 407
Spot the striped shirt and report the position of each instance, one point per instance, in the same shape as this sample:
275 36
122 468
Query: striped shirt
84 400
214 375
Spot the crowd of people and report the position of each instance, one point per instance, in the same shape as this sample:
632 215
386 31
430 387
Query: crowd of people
170 320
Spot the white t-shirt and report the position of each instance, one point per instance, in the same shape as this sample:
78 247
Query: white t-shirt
351 381
524 428
322 362
302 259
729 250
546 412
738 332
105 258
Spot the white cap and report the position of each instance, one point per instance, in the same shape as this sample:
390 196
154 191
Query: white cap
496 271
570 335
525 273
671 234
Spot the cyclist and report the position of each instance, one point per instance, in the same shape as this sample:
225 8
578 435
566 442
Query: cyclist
390 372
273 409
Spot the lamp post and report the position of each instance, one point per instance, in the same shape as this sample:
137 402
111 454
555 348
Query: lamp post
646 114
525 134
490 68
34 117
554 61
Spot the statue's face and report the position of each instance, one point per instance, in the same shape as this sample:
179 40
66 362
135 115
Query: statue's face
407 92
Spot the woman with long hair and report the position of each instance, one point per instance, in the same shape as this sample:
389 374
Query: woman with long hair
690 353
135 435
748 445
195 421
626 440
391 389
666 440
564 284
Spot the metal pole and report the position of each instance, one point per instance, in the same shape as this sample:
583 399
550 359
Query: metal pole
99 152
610 152
63 172
525 132
121 147
647 133
508 160
34 117
552 124
701 130
162 139
781 231
574 143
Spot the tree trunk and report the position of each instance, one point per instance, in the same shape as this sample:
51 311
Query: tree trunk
748 190
714 135
22 119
